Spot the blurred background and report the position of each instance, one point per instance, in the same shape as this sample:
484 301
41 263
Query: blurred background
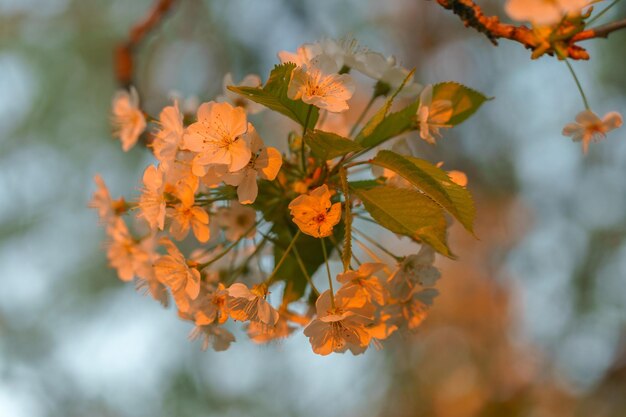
531 320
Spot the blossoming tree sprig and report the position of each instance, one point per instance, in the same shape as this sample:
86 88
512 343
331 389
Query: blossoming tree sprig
556 29
263 222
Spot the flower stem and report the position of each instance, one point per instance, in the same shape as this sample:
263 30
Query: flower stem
378 245
601 13
229 247
330 280
362 115
304 271
283 258
580 88
240 268
304 129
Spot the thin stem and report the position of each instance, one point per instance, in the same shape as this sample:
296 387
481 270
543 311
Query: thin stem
304 129
371 253
243 265
378 245
330 280
357 163
602 31
304 271
283 258
368 251
362 115
601 13
229 247
580 88
257 249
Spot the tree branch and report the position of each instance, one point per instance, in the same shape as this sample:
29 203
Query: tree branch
472 16
124 53
599 32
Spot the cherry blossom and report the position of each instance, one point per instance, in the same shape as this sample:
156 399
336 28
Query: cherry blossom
186 215
338 328
250 304
367 285
180 275
414 270
213 335
590 128
108 209
152 200
264 163
314 213
318 83
432 115
128 119
218 137
168 138
125 253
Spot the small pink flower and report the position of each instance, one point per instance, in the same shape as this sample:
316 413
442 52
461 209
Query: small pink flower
590 128
152 201
339 328
250 304
318 83
366 284
218 137
178 274
168 139
213 335
128 119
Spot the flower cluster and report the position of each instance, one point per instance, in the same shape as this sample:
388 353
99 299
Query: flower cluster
236 231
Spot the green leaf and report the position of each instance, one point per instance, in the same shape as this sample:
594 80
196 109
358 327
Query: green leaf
434 182
407 212
380 115
326 145
365 184
465 101
392 125
274 95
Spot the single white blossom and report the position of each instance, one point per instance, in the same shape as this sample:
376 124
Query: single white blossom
218 138
590 128
318 83
128 119
432 115
168 138
250 304
152 200
264 163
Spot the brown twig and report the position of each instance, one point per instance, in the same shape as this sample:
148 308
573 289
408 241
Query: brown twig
599 32
472 16
124 53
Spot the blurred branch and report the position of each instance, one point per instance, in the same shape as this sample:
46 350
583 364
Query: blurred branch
600 32
124 54
472 16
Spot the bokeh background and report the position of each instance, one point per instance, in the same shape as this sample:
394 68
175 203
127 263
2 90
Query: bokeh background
531 320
